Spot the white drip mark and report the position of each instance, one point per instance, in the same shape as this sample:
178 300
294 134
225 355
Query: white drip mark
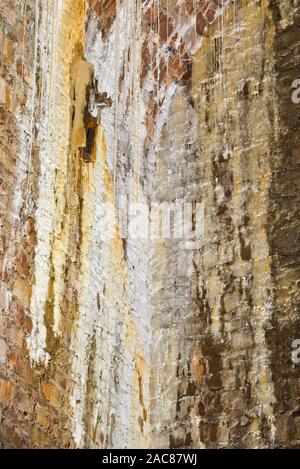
117 92
36 341
36 38
158 42
167 66
195 26
23 38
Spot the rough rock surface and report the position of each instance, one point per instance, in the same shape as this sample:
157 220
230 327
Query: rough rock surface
144 343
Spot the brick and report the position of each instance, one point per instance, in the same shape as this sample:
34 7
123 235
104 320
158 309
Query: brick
22 290
7 390
200 23
42 416
51 393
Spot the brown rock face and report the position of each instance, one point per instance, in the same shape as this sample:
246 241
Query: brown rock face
111 340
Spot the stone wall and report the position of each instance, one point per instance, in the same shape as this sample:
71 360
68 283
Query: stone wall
145 343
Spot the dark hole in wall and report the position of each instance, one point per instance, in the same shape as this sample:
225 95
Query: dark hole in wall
245 250
90 140
91 125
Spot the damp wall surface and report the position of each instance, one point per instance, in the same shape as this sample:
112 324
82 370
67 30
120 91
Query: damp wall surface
112 342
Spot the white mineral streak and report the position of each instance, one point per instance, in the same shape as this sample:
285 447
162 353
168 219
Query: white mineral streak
48 162
82 333
60 145
135 49
113 380
131 132
117 91
33 85
109 284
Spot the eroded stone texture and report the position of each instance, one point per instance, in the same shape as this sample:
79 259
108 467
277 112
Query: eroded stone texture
126 343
